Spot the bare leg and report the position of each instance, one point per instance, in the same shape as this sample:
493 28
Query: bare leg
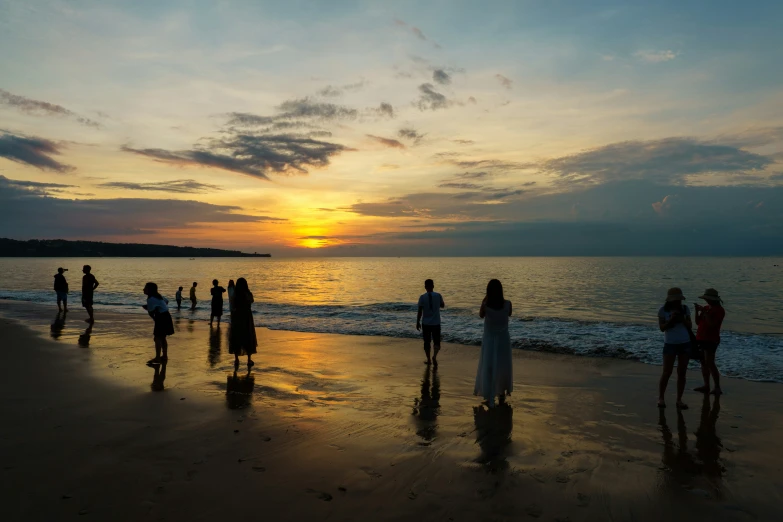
164 344
668 367
90 313
705 373
435 355
58 304
682 374
427 353
249 361
157 348
713 368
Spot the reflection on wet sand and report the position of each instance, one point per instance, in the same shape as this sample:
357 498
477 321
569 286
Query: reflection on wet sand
158 377
493 435
426 407
680 466
239 390
58 325
215 342
84 339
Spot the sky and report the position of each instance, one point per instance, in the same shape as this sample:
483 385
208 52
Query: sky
359 128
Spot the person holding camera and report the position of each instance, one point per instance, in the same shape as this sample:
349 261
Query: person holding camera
708 322
674 320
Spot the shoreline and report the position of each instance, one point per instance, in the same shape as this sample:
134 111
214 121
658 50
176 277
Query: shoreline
345 427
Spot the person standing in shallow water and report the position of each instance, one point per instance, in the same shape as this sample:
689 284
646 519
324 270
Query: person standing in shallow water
428 319
61 289
217 301
193 300
495 375
674 320
89 284
242 338
231 295
157 307
178 297
708 322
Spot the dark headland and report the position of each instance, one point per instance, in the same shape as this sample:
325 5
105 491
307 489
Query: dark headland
63 248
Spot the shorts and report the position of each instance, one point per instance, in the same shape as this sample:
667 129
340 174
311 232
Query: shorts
431 332
62 296
709 346
677 349
86 301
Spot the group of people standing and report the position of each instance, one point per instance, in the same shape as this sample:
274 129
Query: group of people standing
242 336
89 284
494 377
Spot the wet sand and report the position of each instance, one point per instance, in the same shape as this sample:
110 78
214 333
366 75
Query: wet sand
350 428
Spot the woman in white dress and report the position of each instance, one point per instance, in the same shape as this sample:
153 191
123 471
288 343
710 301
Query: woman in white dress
495 375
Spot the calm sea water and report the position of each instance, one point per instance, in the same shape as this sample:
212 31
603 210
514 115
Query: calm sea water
603 307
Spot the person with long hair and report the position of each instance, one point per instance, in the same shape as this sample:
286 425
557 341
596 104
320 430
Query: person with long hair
157 307
494 377
708 322
242 339
231 289
674 320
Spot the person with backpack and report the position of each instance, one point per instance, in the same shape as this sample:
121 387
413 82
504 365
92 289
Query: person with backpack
674 320
428 319
708 322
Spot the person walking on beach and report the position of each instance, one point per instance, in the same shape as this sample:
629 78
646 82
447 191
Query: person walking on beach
61 289
494 377
217 301
242 338
674 320
193 300
178 297
428 319
231 295
89 284
157 307
708 322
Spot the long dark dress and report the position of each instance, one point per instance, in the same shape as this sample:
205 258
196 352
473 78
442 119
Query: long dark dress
242 340
217 300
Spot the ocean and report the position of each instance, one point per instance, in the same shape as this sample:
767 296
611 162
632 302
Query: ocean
597 307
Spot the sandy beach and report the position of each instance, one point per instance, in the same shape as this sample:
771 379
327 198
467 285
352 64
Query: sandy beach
350 428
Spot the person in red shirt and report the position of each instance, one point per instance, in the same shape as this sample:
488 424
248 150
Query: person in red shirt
709 319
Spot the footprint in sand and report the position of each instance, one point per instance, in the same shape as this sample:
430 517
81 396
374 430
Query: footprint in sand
371 472
321 495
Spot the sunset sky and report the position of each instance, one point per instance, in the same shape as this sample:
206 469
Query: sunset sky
396 128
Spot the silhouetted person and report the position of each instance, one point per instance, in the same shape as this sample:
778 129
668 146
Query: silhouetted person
178 297
193 300
242 339
58 325
231 289
158 377
61 289
427 406
89 284
428 319
217 301
708 321
495 376
157 307
674 320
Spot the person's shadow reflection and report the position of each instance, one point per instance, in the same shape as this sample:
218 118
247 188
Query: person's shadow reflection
158 377
58 325
493 435
215 344
708 443
84 339
426 407
239 390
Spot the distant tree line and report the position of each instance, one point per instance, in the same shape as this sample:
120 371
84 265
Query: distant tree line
63 248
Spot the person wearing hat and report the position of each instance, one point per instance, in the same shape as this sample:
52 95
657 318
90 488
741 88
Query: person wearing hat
674 320
61 289
709 320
